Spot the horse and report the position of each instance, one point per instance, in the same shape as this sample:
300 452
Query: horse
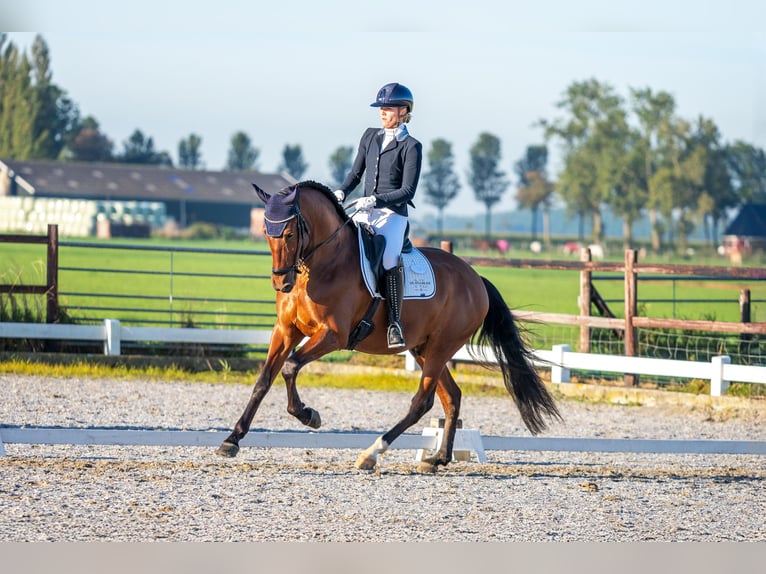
320 295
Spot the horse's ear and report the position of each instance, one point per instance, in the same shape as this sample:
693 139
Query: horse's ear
264 197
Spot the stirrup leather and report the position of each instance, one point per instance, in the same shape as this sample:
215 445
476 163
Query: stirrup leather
394 286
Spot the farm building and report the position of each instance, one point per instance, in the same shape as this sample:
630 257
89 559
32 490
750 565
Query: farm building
82 197
747 231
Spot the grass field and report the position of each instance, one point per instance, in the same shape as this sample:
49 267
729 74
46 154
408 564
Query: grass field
208 287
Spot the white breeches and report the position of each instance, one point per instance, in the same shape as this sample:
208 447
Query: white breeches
390 225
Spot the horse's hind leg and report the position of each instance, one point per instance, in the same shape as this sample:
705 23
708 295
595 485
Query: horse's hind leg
449 394
421 403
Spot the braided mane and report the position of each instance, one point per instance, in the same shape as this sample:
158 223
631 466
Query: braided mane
328 194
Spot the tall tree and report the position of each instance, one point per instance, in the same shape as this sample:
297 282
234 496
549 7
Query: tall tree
679 179
140 149
292 161
487 181
655 113
57 119
589 107
747 168
18 103
534 191
189 154
441 184
340 164
89 144
242 155
716 193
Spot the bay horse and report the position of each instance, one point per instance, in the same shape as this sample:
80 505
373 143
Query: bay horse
321 295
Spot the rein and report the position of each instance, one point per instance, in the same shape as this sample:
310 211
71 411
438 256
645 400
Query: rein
300 260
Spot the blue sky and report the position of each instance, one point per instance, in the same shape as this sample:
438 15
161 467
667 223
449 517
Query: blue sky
304 72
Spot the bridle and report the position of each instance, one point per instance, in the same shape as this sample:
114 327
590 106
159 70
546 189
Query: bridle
299 266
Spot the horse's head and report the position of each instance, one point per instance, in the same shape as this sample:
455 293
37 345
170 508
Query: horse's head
289 232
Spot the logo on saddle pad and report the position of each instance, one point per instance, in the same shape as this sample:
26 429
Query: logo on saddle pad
419 281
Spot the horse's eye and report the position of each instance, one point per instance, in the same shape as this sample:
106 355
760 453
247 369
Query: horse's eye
289 235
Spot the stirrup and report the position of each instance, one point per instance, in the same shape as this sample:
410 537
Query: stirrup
395 336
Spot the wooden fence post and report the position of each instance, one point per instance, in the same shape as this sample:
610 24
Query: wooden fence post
446 246
744 317
585 287
52 283
631 310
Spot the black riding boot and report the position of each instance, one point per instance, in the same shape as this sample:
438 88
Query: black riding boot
394 292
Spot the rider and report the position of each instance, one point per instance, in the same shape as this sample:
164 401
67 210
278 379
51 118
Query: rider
391 159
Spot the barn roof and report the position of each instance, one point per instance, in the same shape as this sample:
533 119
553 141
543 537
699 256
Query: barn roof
749 222
139 182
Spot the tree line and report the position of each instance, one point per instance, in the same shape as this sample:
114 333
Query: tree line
38 120
634 155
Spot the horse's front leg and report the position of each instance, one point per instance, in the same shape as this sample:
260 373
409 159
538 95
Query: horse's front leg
318 345
283 341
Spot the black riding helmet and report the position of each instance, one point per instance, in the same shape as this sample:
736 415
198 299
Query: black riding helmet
393 96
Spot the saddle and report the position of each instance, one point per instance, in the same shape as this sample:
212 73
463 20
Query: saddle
419 281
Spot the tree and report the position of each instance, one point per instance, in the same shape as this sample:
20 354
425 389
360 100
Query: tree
592 160
18 103
747 168
534 189
189 155
716 194
57 119
655 113
89 144
487 181
140 149
292 161
242 155
340 164
679 178
441 184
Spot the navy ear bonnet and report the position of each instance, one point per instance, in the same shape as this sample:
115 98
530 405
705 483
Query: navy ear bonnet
280 209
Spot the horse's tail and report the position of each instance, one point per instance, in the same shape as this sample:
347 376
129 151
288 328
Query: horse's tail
500 333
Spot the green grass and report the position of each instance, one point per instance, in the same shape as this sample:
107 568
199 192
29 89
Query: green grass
530 289
389 381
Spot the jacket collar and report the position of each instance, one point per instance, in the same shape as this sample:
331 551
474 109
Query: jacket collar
400 133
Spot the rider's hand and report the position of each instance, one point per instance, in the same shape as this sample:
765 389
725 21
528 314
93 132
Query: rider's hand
339 195
366 203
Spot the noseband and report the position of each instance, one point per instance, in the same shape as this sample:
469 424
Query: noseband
303 231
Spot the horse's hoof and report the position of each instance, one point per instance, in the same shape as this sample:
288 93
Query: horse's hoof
365 462
426 468
316 421
228 449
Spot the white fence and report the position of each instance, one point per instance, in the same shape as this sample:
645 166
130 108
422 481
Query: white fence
467 441
719 371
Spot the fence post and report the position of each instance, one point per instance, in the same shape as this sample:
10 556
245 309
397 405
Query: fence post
718 385
631 310
112 339
52 287
559 373
584 300
744 317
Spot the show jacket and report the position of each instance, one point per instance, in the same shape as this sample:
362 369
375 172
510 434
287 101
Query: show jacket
391 175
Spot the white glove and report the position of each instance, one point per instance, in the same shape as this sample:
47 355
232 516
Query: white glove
339 195
366 203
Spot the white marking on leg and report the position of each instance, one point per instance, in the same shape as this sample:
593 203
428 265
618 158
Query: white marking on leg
378 447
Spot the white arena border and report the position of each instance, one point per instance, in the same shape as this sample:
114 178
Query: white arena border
467 441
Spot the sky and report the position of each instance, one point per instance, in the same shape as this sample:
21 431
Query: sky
305 71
